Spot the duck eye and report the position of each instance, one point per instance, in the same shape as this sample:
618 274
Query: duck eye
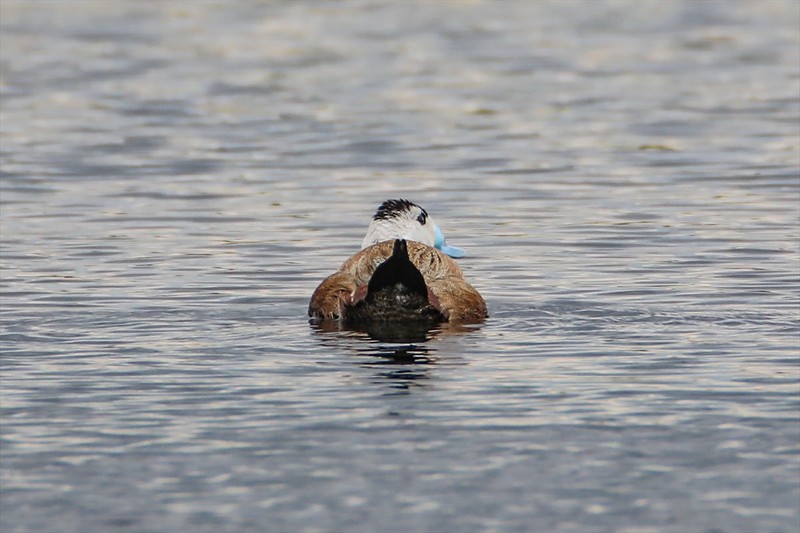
422 218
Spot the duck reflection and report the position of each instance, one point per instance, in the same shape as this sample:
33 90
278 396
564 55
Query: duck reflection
394 332
402 354
403 367
386 331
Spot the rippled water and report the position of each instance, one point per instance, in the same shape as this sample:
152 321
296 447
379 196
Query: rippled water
178 177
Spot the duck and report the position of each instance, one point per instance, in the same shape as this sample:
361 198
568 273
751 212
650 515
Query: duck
404 272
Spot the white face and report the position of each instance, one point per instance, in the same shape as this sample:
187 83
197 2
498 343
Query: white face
400 219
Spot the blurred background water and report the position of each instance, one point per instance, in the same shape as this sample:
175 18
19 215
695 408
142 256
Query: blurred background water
178 176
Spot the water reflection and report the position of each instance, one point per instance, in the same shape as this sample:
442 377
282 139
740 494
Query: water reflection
387 331
411 354
402 353
402 368
404 333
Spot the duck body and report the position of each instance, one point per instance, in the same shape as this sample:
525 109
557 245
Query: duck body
396 292
403 273
378 285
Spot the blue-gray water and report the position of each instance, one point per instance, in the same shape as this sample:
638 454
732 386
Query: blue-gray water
178 177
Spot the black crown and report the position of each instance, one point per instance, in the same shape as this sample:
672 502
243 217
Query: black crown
394 208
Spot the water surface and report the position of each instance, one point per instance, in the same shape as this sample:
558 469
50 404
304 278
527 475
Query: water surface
177 178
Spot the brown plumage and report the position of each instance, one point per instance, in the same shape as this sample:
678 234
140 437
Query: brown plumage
342 295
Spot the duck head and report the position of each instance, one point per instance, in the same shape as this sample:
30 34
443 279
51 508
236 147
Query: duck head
401 219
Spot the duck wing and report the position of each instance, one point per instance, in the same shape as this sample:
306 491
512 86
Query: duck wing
396 292
447 290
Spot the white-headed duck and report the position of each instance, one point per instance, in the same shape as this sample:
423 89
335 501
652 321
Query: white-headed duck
402 274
